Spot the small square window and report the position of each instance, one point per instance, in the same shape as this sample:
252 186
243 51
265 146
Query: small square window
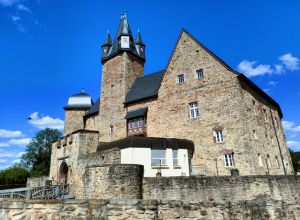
199 74
228 159
254 135
180 78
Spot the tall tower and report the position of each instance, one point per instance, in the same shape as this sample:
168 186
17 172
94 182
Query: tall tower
122 63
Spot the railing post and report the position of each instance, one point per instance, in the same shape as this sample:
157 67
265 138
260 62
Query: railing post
28 194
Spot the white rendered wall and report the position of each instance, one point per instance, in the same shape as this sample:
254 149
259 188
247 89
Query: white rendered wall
142 156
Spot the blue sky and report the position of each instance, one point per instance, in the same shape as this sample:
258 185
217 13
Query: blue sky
50 49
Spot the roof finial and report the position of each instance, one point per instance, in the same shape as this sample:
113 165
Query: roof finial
108 31
124 14
82 90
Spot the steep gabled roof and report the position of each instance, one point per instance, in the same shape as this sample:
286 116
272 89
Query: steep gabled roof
144 87
241 76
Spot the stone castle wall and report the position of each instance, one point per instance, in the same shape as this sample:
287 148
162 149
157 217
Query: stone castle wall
220 189
119 181
215 198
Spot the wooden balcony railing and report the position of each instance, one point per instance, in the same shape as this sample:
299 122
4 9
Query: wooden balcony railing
137 131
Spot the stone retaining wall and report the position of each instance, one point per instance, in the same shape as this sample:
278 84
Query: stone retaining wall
148 209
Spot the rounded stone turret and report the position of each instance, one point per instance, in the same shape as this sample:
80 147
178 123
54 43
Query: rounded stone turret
114 181
76 108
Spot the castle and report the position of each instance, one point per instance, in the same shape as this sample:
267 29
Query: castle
198 116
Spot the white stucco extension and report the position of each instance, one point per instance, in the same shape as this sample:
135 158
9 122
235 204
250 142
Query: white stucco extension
142 156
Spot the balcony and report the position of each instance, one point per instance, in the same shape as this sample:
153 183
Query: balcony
139 131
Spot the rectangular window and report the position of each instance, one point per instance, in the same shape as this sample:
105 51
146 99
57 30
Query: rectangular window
259 160
180 78
194 110
158 157
199 74
254 135
111 129
228 159
254 107
175 157
265 115
219 136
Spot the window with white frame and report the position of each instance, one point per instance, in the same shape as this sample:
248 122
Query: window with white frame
199 74
175 157
180 78
158 157
228 159
218 134
194 110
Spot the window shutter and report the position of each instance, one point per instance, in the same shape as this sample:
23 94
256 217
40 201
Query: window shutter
215 137
177 79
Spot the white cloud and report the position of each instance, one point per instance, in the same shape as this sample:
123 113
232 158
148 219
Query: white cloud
291 128
4 145
19 142
45 122
9 154
10 134
294 145
21 7
8 2
250 68
290 62
15 18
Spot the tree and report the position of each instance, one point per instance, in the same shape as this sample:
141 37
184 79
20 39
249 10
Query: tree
37 156
295 156
14 175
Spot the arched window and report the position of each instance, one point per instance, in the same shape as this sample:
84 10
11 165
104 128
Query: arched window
63 173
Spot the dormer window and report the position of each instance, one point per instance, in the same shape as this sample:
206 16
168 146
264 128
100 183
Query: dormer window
199 74
180 78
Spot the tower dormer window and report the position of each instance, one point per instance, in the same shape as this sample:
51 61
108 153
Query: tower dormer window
125 42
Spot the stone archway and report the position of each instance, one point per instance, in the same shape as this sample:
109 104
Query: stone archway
63 173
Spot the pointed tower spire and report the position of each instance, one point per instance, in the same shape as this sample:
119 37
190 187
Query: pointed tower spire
140 46
106 45
123 41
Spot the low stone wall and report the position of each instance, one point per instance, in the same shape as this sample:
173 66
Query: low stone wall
36 181
225 188
148 209
114 181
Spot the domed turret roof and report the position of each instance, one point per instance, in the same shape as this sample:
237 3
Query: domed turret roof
81 100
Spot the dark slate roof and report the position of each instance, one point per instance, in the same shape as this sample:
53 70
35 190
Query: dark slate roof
94 109
147 142
138 39
123 30
77 107
145 87
108 41
81 94
136 113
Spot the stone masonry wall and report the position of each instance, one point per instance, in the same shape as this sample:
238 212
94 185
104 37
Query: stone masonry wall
263 209
73 120
220 189
114 181
118 75
36 181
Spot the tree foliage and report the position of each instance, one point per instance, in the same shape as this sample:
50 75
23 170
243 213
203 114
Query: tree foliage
295 156
13 175
37 156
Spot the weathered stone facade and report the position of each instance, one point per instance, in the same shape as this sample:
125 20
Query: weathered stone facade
249 119
215 198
